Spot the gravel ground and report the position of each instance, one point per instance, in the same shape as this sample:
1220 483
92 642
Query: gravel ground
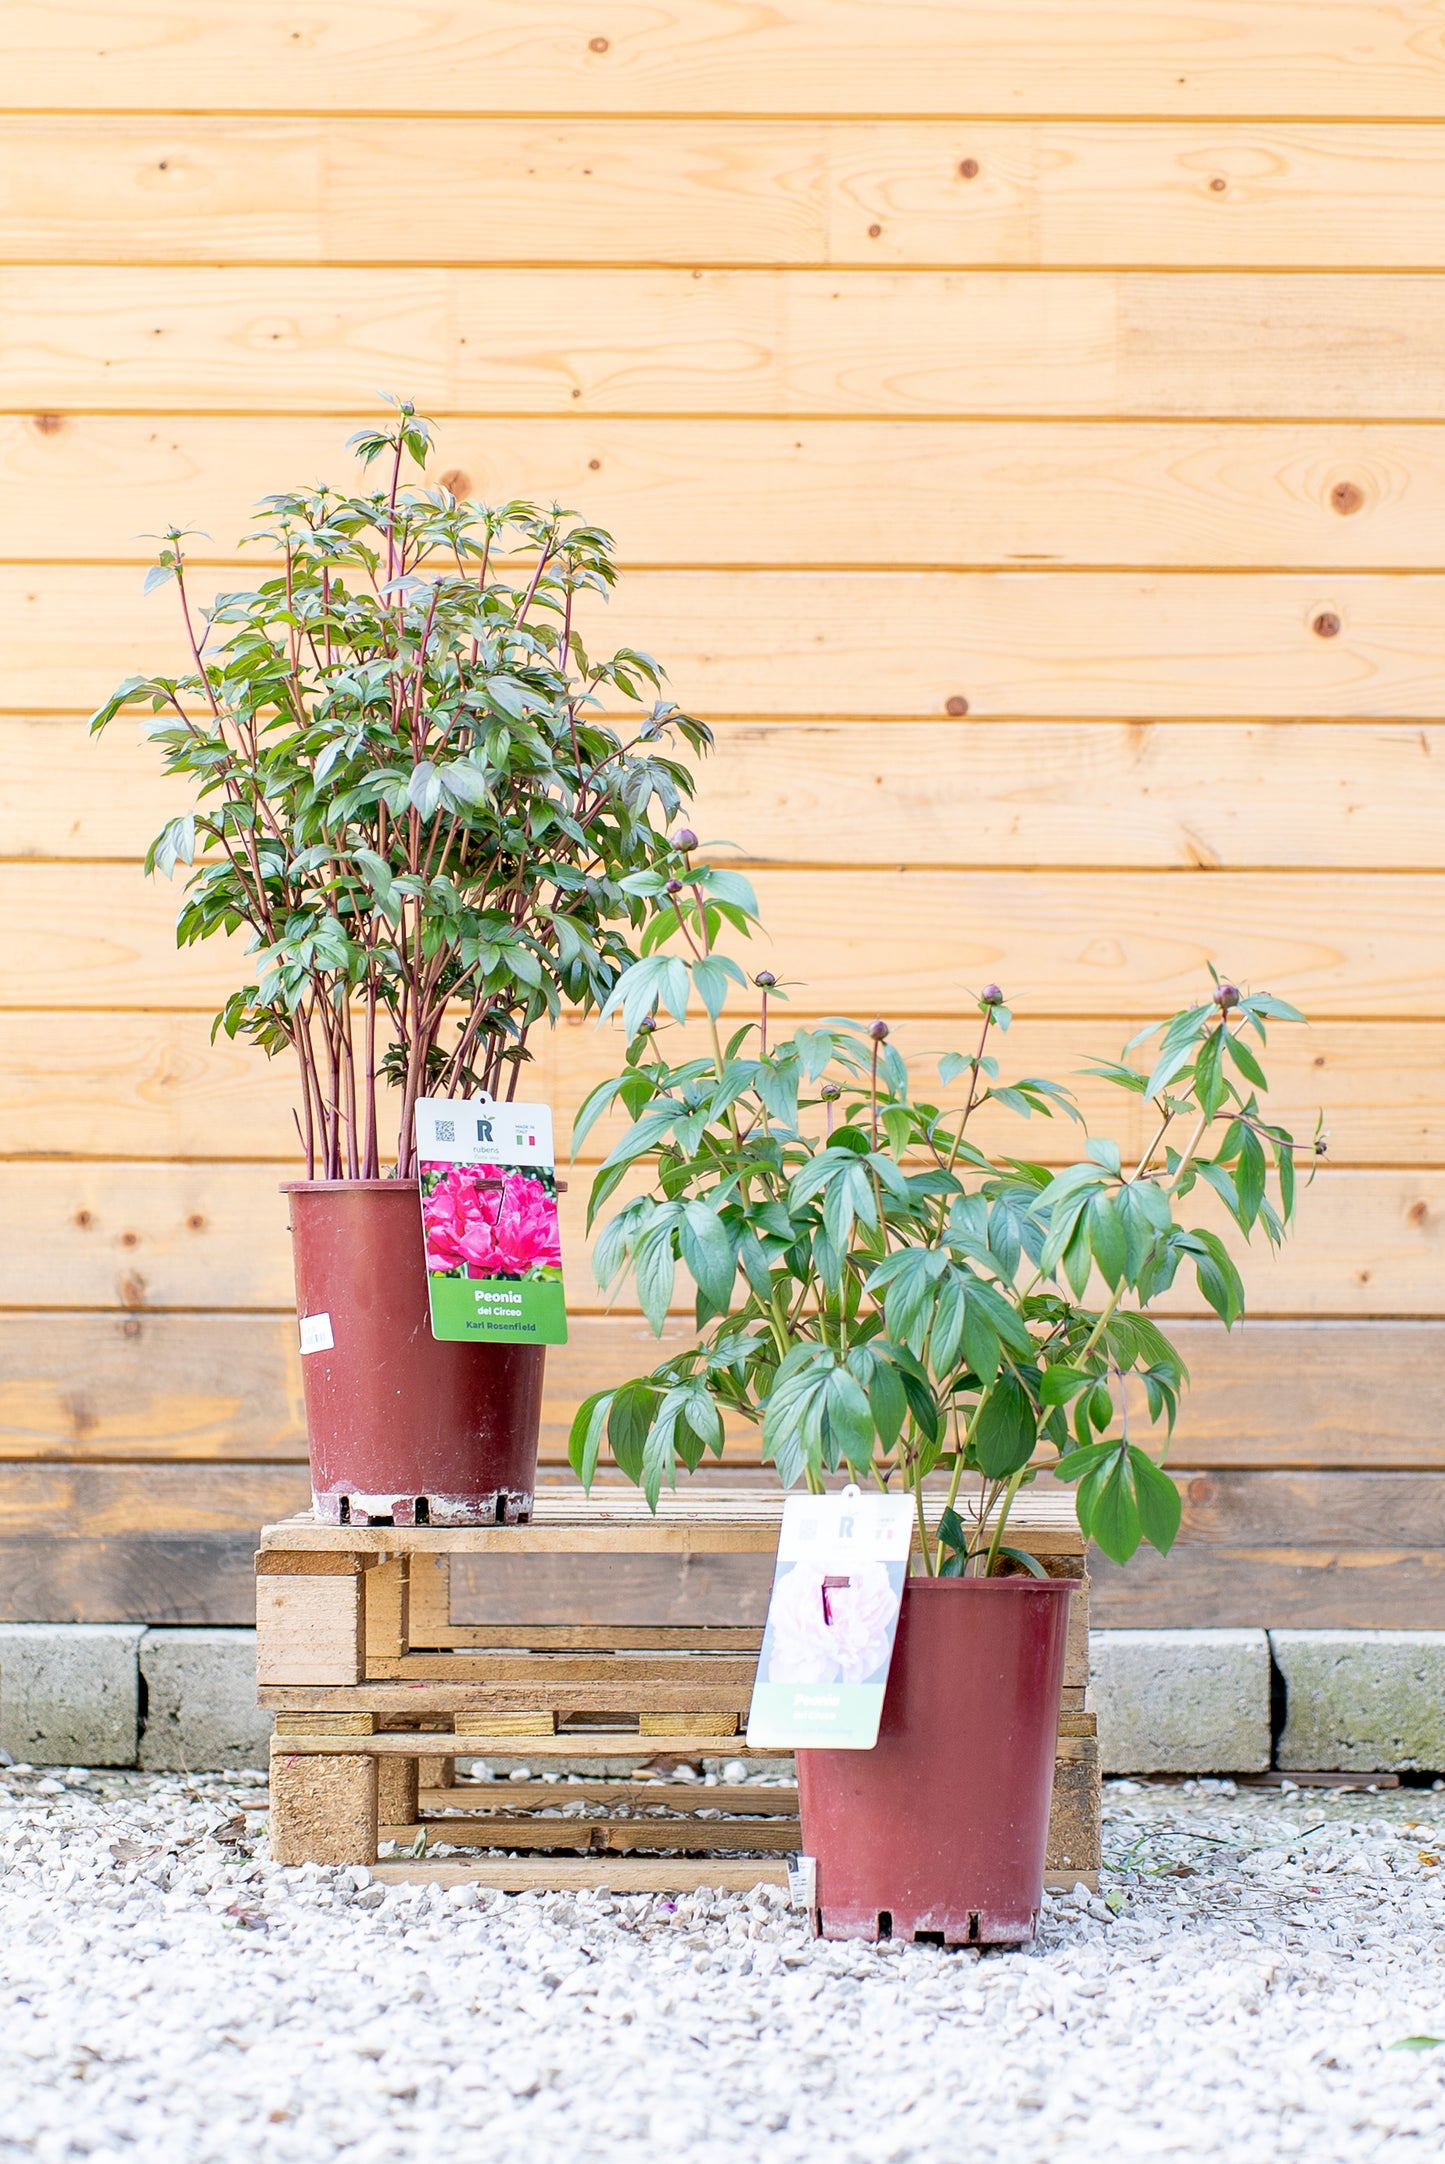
167 1993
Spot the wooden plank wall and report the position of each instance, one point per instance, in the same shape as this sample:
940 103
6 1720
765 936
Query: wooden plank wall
1022 425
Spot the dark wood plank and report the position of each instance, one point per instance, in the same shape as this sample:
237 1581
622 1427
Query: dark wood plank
1321 1510
1330 1550
95 1501
1356 1551
1217 1588
132 1578
1335 1394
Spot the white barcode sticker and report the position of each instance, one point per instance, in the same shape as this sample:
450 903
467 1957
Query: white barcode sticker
316 1333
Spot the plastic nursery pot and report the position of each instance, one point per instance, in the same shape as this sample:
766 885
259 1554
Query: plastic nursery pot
401 1425
939 1832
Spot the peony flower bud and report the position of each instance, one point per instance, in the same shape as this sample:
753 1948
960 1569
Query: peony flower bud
674 886
684 838
831 1091
991 996
878 1031
1226 996
765 980
647 1025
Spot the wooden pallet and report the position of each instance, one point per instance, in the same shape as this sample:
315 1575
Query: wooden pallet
378 1679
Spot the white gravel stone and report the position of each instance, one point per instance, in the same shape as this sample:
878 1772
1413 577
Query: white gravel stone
167 1992
1362 1701
1193 1701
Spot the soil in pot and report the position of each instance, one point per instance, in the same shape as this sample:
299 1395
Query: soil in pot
939 1832
402 1426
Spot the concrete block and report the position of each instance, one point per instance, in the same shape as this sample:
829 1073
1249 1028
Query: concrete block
69 1693
1182 1701
201 1711
1362 1701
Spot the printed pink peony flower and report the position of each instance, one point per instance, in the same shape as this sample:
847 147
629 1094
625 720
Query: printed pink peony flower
491 1223
845 1640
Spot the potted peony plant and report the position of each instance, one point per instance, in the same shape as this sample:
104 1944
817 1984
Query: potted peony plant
411 802
887 1299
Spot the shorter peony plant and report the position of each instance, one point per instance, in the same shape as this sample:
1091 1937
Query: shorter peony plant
880 1294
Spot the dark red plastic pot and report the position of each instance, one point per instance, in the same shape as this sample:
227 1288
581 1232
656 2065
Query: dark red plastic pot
402 1426
940 1830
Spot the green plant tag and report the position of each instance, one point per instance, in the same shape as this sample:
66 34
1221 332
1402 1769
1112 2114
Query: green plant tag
489 1220
837 1588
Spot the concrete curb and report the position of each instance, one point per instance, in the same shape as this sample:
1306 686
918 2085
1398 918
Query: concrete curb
70 1693
1221 1701
1182 1701
200 1699
1362 1701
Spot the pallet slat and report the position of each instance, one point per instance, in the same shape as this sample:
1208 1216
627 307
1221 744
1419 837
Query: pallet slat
574 1743
752 1799
617 1836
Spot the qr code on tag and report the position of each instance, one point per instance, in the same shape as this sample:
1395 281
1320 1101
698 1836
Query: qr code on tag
446 1130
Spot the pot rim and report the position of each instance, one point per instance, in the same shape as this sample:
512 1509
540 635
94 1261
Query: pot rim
1020 1582
372 1187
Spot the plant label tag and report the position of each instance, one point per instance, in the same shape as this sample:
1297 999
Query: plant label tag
837 1589
489 1221
316 1334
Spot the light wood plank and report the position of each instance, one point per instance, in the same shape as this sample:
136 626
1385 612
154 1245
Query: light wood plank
578 1743
617 1874
214 1236
671 341
208 1389
1111 646
155 1086
1346 945
1008 794
308 1630
506 56
151 1387
83 188
1013 493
